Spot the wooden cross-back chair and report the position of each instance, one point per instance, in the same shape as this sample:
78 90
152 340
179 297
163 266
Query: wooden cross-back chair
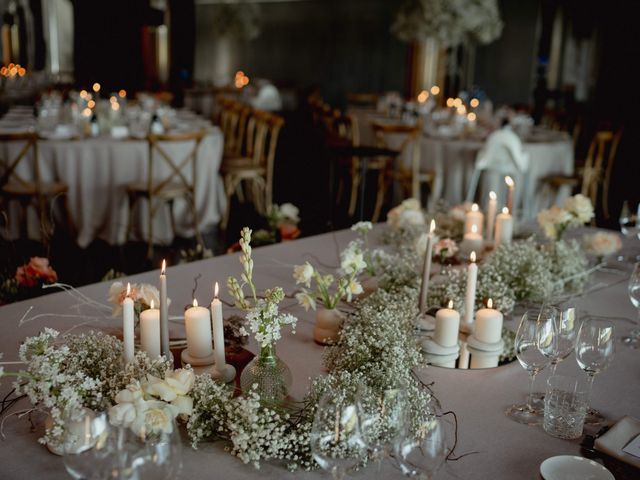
596 173
410 177
177 183
233 123
255 166
28 189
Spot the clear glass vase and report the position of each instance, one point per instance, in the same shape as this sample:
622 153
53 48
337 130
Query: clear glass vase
271 375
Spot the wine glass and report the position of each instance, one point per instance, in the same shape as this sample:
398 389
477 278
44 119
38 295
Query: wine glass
566 331
382 420
336 442
634 294
93 448
629 228
595 348
420 454
536 335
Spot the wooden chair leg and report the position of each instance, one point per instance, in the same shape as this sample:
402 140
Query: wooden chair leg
355 183
172 217
131 207
381 193
196 221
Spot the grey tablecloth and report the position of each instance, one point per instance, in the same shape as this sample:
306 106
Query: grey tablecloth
503 449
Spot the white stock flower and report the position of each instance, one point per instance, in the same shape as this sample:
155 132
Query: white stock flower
552 218
581 207
132 393
602 243
354 288
306 300
157 387
182 405
152 416
148 293
352 261
123 414
303 273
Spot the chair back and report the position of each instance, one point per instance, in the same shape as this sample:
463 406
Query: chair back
160 154
501 155
9 171
233 123
401 137
263 130
363 99
346 127
599 165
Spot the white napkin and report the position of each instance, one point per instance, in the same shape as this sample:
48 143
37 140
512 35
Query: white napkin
618 437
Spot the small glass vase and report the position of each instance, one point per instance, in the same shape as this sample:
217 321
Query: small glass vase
271 375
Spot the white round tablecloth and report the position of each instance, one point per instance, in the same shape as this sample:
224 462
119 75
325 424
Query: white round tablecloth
97 171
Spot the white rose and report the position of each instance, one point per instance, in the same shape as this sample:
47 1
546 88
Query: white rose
303 273
180 380
410 204
552 218
290 212
157 387
122 414
581 207
411 217
306 301
152 417
183 405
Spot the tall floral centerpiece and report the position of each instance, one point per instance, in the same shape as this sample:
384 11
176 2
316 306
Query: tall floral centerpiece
329 290
266 373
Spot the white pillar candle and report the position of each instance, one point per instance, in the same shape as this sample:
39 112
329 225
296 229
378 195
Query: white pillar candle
488 327
197 322
472 241
504 227
164 313
510 186
470 294
447 326
218 329
491 214
426 269
128 335
150 331
474 217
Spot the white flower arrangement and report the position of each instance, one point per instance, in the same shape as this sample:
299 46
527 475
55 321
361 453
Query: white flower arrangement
149 407
554 221
287 213
448 21
406 215
602 244
352 264
264 319
445 248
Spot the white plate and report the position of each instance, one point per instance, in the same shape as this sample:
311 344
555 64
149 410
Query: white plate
568 467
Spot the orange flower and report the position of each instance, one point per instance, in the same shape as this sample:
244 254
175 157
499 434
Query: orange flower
36 271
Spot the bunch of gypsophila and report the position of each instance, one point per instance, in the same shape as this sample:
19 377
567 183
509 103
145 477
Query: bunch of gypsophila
75 371
264 319
568 265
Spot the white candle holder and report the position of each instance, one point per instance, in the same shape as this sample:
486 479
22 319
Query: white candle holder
226 374
476 344
199 364
432 347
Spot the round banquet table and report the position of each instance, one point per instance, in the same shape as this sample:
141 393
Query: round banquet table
503 449
97 171
453 159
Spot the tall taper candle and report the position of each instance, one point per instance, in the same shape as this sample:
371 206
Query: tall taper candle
128 335
164 313
426 269
510 184
218 329
470 294
491 214
150 331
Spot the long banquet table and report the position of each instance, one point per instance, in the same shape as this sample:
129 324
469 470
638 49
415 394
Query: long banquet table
503 448
97 171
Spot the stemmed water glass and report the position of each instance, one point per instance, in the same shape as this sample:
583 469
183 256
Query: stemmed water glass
595 347
536 334
634 294
382 421
630 229
421 453
336 442
566 331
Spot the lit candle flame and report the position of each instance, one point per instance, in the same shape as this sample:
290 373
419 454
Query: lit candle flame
474 228
128 288
509 181
457 102
164 267
215 290
449 102
492 195
153 304
505 210
432 226
472 257
195 302
474 207
490 303
450 305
